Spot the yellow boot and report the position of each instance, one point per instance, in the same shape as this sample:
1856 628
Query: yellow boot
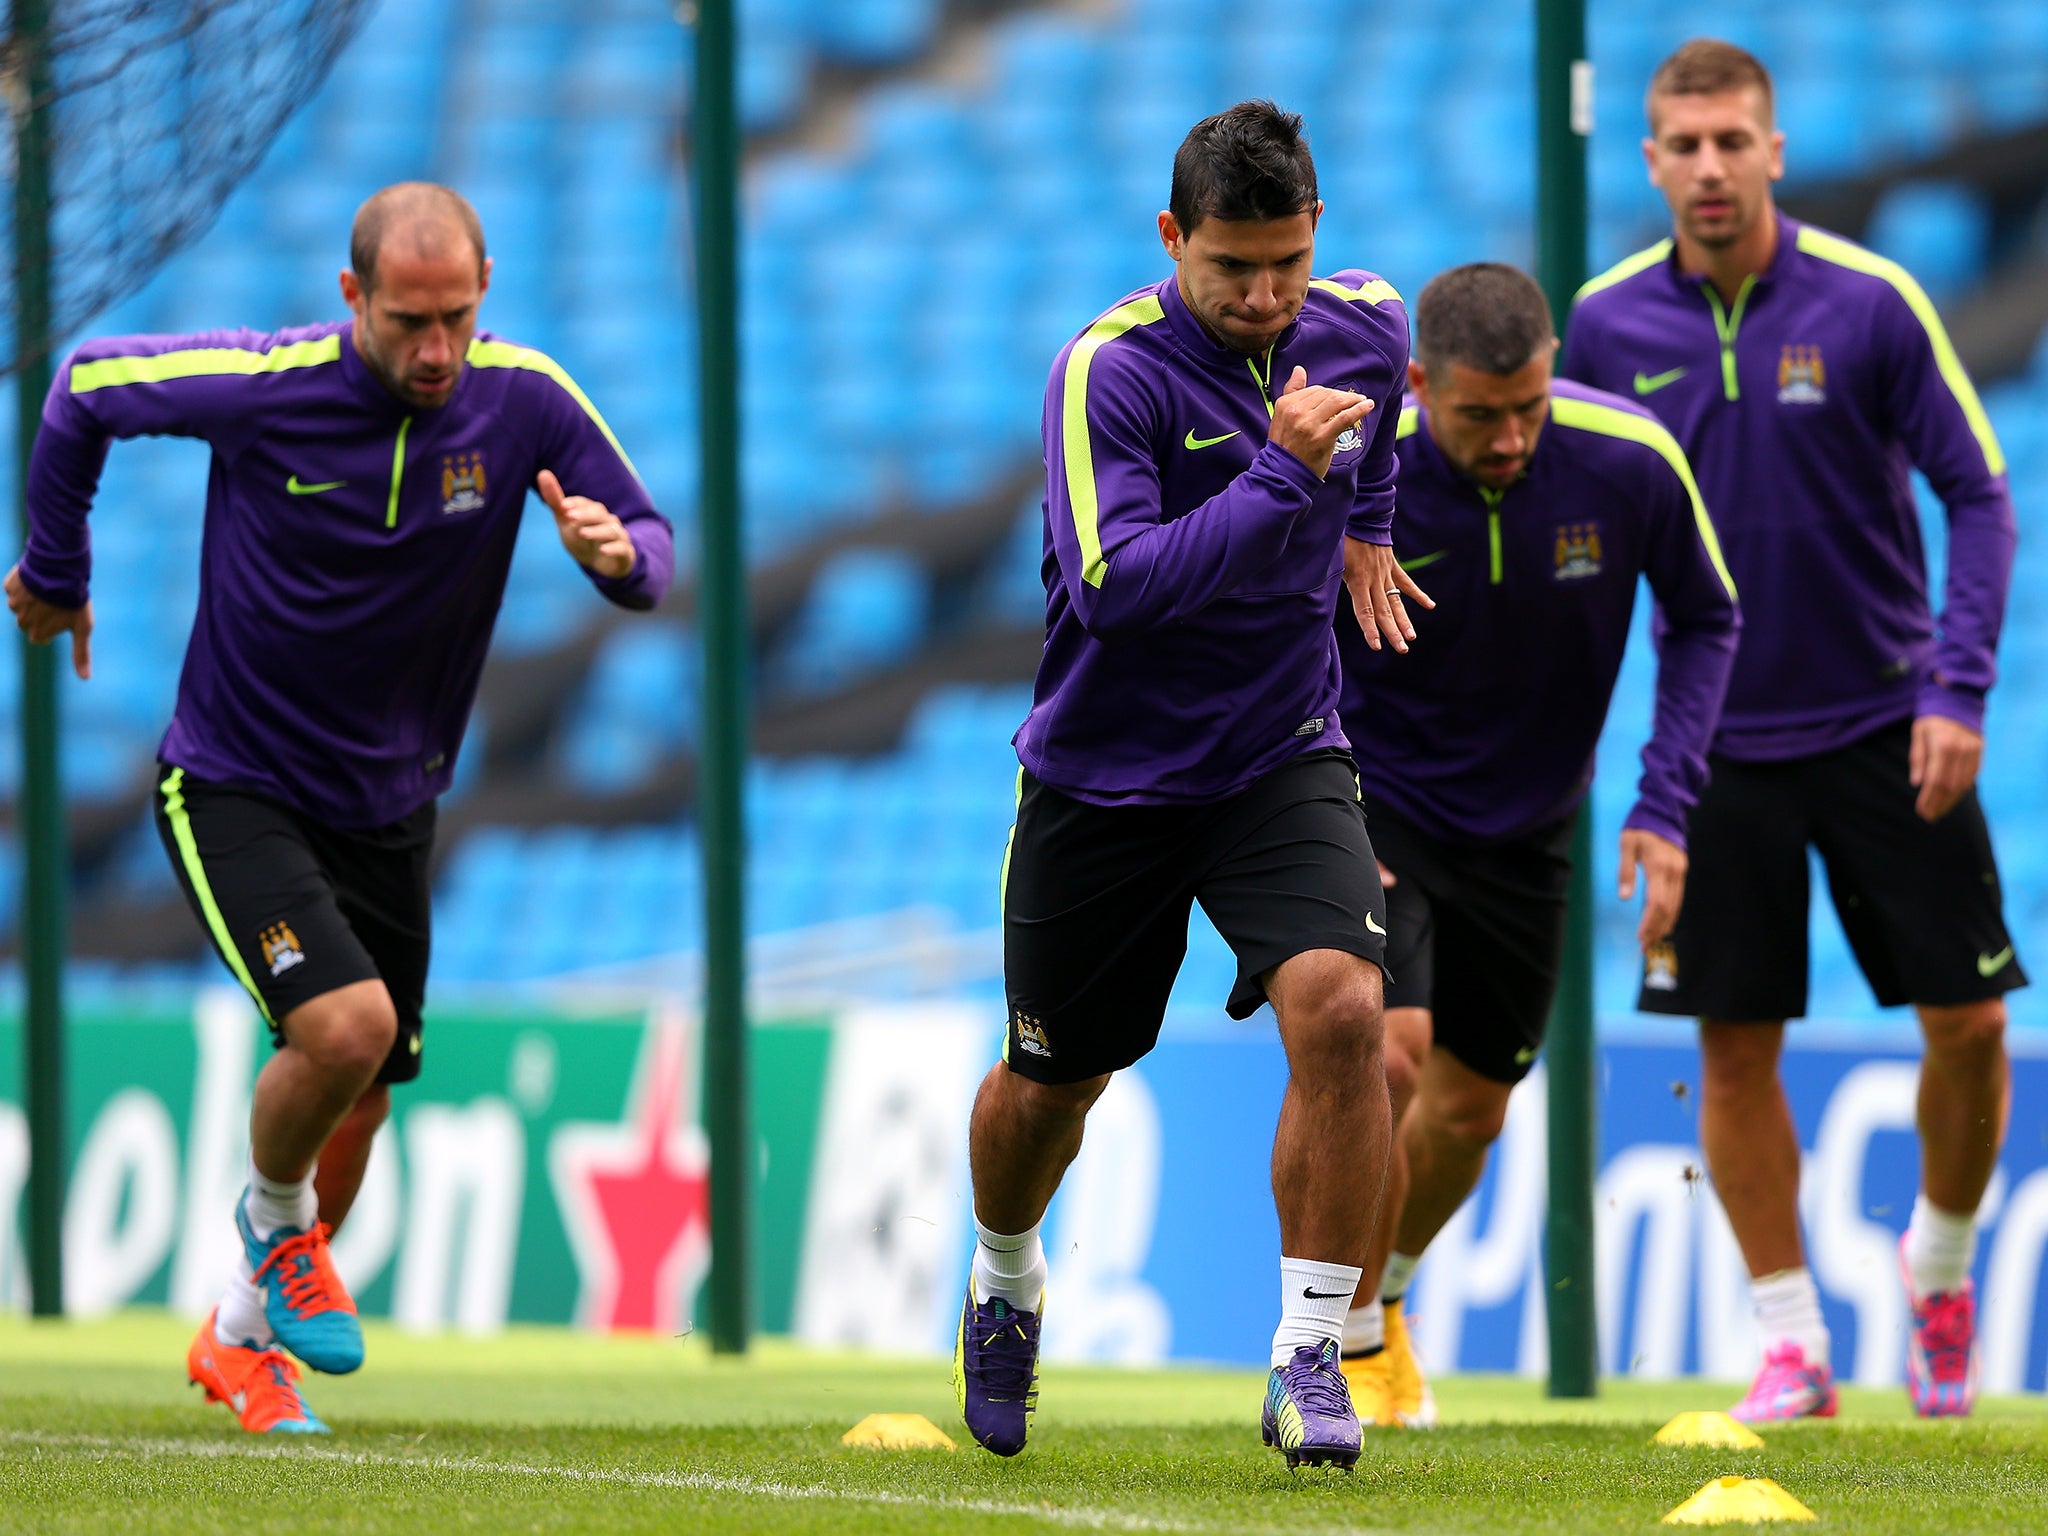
1372 1389
1408 1396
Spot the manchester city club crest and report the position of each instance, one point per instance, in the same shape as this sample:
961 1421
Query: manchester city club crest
1575 551
1348 440
462 482
1802 376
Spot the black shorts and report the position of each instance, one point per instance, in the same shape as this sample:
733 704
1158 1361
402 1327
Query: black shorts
1918 901
297 908
1096 901
1476 936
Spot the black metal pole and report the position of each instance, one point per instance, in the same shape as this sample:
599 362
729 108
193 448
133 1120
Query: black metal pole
45 874
1564 122
723 598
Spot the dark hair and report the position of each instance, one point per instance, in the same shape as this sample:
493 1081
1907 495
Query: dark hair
1486 315
1250 161
402 203
1706 66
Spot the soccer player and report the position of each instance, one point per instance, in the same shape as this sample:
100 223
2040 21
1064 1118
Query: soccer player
1535 505
367 484
1805 377
1216 468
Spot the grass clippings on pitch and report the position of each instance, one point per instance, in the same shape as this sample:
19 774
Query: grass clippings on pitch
554 1432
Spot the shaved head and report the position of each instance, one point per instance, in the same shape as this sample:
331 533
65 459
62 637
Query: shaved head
418 219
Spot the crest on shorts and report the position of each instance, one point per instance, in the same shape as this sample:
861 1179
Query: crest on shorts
462 482
1802 376
281 949
1575 551
1031 1035
1660 969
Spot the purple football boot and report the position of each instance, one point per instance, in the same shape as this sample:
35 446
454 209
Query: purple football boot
1308 1414
995 1371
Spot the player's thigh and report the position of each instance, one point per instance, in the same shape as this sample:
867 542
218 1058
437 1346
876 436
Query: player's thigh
383 886
1289 869
1500 946
260 892
1739 949
1919 901
1096 902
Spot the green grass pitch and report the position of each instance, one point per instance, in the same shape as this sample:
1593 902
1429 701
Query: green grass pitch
549 1431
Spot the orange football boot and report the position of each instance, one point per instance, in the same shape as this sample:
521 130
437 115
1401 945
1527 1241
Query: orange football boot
259 1384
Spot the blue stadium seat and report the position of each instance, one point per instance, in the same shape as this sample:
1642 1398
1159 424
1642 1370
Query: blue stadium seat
637 709
875 32
867 609
1940 231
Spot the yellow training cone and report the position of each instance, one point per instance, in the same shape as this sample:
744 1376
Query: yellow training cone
1709 1429
1747 1500
898 1432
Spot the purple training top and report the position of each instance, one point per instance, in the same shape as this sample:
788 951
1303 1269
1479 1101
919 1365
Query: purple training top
355 550
1191 567
1803 407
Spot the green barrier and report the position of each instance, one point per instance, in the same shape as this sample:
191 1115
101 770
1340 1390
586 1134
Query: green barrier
547 1167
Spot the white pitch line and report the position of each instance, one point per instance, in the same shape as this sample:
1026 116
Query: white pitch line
689 1482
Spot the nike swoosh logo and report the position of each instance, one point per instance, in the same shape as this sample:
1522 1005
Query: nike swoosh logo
415 1044
1421 560
1525 1055
1649 384
1194 442
1991 965
1372 925
1322 1295
298 487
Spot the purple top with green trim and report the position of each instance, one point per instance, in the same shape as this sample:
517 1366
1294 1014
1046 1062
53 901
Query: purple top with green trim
1803 406
1486 729
355 550
1192 567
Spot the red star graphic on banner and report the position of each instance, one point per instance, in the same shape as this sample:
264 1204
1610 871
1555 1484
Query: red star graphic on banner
636 1196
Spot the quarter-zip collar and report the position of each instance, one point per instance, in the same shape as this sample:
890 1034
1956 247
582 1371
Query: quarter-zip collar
369 389
1205 348
1788 239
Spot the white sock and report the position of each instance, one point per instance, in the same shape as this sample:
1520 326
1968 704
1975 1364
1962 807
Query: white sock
240 1319
1009 1265
1400 1270
1365 1330
1788 1312
1314 1299
1939 1248
272 1203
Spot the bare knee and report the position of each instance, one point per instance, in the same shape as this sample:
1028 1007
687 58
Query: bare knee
1470 1113
1407 1046
346 1034
372 1109
1968 1031
1332 1018
1738 1059
1042 1103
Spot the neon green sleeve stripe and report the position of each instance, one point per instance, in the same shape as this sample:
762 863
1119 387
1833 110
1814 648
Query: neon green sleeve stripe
160 367
1378 291
1624 269
1609 422
1844 253
188 854
502 354
1411 418
1075 449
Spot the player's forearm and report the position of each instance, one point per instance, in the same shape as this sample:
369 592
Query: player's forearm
1167 571
1980 555
64 471
654 564
1693 665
